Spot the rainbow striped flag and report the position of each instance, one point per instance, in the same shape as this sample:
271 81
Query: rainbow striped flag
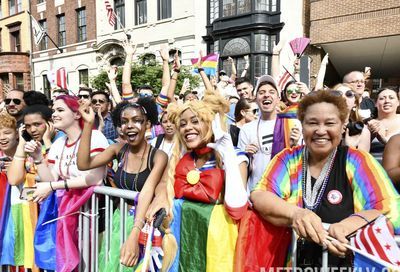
210 64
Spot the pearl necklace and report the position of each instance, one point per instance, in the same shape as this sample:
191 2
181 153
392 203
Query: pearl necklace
312 196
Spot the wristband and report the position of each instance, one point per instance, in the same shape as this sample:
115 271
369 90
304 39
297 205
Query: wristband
38 162
18 158
200 69
177 70
360 216
51 186
66 185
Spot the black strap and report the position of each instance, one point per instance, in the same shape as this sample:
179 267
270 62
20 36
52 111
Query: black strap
121 152
159 140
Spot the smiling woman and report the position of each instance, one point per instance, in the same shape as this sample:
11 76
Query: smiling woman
324 182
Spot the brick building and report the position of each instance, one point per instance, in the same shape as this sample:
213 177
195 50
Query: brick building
356 34
72 26
14 45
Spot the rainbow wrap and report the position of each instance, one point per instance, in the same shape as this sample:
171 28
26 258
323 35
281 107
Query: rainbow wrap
210 64
372 188
285 121
56 243
17 223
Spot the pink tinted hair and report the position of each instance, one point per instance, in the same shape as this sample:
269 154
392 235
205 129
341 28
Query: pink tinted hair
72 104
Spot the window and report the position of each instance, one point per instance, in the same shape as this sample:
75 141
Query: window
120 12
44 43
216 47
4 78
1 13
19 81
148 59
264 42
214 10
240 64
40 1
164 9
15 39
14 6
46 86
235 7
172 53
237 46
260 65
84 77
141 12
82 35
266 5
62 38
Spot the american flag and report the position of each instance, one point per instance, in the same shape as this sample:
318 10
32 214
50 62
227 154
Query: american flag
58 78
110 13
377 241
284 79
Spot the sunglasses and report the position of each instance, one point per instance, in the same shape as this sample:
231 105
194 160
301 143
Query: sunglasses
84 96
254 111
16 101
145 95
348 93
94 101
292 91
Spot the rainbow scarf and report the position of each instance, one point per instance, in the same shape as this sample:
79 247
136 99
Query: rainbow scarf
210 64
17 223
372 188
285 121
206 237
56 243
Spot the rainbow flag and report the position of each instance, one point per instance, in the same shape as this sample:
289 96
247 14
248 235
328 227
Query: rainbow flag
18 221
210 64
372 188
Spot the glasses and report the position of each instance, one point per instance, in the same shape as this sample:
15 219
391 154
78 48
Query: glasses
145 95
84 96
348 93
292 91
95 101
254 111
360 81
16 101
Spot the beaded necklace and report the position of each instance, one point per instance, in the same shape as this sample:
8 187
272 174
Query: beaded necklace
70 159
124 170
312 195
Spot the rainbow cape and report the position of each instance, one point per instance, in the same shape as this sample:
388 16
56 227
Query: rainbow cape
285 121
372 188
56 243
210 64
17 223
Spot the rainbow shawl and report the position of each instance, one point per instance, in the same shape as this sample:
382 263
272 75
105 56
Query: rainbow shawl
17 223
206 237
56 243
285 121
372 188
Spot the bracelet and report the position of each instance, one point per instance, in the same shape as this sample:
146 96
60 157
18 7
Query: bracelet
173 78
66 185
137 227
200 69
38 162
139 221
360 216
18 158
177 70
51 186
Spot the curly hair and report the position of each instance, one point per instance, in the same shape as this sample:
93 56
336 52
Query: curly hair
320 97
7 121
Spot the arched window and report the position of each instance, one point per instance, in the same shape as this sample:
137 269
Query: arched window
117 61
172 53
237 46
148 59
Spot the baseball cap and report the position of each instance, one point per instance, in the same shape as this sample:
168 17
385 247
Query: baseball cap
270 80
222 72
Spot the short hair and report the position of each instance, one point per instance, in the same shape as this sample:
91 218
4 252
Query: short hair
321 97
141 87
101 92
7 121
392 88
35 98
16 90
87 89
242 104
42 110
147 106
345 77
241 80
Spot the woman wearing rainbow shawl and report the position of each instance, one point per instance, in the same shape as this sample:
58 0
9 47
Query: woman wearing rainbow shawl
324 182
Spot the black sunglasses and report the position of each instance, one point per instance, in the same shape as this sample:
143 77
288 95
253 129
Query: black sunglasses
348 93
16 101
94 101
85 96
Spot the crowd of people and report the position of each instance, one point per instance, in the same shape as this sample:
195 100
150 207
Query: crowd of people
234 171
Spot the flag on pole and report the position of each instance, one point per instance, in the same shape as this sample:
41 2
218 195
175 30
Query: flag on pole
378 246
110 13
210 64
37 30
283 80
58 78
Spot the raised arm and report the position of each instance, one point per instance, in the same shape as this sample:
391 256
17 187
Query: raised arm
162 98
275 63
246 66
130 49
177 69
319 85
112 77
204 77
84 160
233 68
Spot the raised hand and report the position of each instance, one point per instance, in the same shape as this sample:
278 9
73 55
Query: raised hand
276 50
164 52
129 47
112 74
49 133
86 112
177 62
223 141
34 149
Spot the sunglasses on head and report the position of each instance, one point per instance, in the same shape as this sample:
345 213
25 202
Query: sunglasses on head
84 96
145 95
101 101
348 93
16 101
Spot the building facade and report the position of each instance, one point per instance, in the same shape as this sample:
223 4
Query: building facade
178 23
72 27
15 45
358 34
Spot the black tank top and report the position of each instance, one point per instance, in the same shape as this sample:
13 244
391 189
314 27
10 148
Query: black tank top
126 180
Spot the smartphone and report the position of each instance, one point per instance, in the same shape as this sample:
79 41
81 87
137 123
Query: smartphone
27 193
159 217
5 159
27 137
